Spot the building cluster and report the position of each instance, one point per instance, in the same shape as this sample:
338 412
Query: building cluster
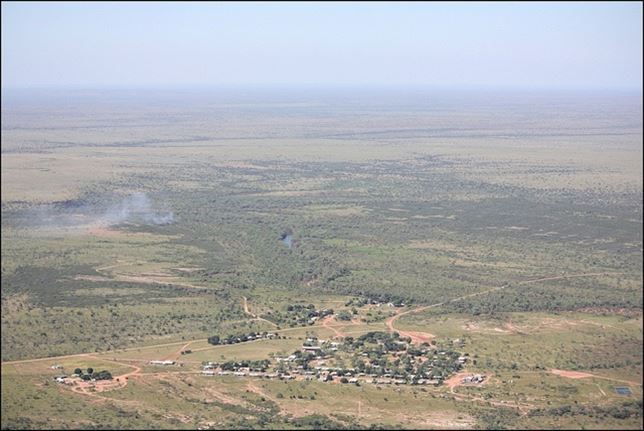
474 378
377 358
234 339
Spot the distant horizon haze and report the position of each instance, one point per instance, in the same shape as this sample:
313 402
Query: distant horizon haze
172 45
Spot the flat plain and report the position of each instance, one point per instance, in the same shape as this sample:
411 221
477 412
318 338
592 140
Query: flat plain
136 225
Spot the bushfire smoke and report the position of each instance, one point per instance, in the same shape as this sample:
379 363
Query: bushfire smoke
137 208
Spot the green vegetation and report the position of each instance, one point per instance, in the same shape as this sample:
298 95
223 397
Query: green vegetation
520 234
297 315
234 339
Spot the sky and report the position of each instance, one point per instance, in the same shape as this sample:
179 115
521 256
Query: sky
593 45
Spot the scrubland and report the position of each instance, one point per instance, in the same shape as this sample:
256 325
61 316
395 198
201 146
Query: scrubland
135 224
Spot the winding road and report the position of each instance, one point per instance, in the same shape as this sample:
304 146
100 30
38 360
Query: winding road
120 381
255 316
419 337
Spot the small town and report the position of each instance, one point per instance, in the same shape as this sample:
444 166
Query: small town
377 358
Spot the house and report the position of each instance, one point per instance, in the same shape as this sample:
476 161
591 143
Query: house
475 378
312 348
207 373
353 380
162 362
325 376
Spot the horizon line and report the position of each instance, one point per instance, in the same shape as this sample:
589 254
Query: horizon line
317 86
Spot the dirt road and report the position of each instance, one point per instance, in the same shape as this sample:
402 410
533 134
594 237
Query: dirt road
582 375
422 336
326 322
176 355
118 382
390 322
254 316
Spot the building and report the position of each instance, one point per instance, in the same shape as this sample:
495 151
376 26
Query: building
474 378
162 362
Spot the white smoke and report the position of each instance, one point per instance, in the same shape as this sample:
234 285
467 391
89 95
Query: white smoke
137 208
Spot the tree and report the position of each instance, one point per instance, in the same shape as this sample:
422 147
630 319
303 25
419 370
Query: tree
103 375
344 380
90 371
78 371
214 340
343 315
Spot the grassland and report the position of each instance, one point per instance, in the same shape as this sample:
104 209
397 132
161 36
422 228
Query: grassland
514 224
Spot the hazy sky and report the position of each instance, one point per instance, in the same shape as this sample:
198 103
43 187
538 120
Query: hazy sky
533 45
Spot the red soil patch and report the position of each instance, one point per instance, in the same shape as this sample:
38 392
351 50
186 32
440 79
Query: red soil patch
99 230
571 374
455 380
417 337
326 322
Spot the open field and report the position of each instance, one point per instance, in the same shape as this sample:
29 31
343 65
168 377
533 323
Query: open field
136 227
